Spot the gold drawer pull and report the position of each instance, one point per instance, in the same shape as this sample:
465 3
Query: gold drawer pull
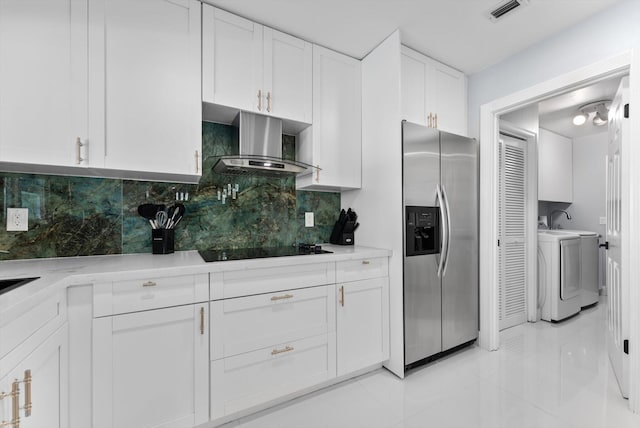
201 320
285 296
366 262
149 284
342 296
280 351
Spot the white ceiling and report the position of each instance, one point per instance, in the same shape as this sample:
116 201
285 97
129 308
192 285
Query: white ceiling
456 32
556 114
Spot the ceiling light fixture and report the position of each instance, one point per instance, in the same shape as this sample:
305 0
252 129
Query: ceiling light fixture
599 110
579 119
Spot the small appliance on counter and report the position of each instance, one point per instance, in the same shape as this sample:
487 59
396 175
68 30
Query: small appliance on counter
163 222
344 228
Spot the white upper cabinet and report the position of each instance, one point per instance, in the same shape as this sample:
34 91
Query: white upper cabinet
334 141
43 77
251 67
144 57
231 59
433 94
555 167
287 76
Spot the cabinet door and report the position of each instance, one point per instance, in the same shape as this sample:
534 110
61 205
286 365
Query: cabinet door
43 77
334 142
415 73
150 369
145 100
287 76
362 325
43 385
555 167
449 93
231 60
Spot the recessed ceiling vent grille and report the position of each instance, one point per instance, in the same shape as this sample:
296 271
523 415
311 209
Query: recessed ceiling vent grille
505 8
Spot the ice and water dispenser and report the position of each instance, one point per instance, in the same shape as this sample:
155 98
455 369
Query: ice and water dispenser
422 230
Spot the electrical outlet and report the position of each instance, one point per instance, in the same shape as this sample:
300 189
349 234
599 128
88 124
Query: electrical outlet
603 220
308 219
17 219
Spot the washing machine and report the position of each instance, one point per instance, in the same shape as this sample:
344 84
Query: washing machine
589 275
559 274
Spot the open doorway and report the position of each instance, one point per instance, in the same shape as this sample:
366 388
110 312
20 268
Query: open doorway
566 162
490 114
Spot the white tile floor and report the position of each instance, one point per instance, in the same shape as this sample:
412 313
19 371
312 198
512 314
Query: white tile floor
545 375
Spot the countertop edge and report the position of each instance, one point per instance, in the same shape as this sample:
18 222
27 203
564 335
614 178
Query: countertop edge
61 273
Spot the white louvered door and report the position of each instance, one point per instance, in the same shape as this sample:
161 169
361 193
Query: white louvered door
512 232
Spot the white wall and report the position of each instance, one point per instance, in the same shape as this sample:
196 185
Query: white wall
604 35
526 118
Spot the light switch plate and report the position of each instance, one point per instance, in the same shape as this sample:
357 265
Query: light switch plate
603 220
308 219
17 219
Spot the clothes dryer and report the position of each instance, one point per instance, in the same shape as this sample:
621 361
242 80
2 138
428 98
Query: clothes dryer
558 274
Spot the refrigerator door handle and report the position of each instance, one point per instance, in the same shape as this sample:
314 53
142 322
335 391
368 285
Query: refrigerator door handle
445 236
447 233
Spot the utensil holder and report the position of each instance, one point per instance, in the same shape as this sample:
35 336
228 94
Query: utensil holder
162 241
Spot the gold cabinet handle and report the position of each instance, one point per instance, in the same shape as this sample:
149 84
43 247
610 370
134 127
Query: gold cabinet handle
436 121
318 174
201 320
342 296
15 405
149 284
429 120
79 146
259 99
197 162
27 393
286 296
269 101
280 351
366 262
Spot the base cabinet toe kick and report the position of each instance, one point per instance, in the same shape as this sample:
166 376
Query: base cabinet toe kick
204 349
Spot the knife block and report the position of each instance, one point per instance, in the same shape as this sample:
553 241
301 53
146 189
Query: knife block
344 236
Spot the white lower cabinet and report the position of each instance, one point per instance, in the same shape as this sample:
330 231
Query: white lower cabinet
150 368
362 324
37 386
253 378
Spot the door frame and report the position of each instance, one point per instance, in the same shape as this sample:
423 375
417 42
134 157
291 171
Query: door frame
627 62
531 216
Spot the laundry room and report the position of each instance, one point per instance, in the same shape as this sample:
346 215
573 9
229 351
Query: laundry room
556 170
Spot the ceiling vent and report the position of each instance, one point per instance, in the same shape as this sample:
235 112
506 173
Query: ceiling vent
506 8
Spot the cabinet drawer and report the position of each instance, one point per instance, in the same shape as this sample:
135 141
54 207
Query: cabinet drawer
119 297
356 270
42 320
247 282
246 380
248 323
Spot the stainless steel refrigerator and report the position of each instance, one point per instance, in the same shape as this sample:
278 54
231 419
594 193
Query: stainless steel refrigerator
440 198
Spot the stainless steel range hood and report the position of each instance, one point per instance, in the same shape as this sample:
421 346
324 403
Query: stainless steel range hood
260 149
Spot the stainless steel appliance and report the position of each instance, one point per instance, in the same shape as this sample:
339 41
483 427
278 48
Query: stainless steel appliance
440 203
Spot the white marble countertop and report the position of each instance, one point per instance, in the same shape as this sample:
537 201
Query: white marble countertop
64 272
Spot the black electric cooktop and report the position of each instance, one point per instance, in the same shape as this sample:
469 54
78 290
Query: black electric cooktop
259 253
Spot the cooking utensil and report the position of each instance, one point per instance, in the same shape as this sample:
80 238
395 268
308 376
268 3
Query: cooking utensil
161 219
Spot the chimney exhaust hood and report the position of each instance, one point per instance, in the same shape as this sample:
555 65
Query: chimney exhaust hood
260 149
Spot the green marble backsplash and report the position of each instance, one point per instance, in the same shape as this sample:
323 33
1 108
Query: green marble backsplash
78 216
